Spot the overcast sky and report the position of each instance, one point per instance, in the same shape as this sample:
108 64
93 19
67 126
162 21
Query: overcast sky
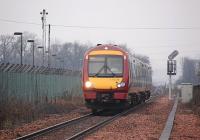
155 27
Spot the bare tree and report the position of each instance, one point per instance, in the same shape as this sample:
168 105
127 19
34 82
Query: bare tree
5 47
10 48
68 55
143 58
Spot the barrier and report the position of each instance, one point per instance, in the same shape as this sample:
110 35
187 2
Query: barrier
28 93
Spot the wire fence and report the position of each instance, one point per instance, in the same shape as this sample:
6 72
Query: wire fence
26 92
34 84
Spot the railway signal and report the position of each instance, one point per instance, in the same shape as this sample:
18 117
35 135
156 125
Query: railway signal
171 69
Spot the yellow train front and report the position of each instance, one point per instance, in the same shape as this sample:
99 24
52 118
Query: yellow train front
111 79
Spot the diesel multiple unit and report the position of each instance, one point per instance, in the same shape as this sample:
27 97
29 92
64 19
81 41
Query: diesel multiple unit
111 78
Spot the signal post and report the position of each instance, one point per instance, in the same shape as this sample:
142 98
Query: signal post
171 70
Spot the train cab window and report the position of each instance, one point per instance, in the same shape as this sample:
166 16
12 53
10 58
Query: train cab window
105 66
115 63
95 64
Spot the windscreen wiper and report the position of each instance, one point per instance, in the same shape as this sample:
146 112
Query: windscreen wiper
99 71
114 74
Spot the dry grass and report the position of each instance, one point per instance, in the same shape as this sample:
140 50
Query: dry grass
15 112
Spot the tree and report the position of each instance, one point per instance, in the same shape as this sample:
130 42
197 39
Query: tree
143 58
5 47
10 48
67 55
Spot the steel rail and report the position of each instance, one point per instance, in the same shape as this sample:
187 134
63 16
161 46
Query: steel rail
52 128
105 122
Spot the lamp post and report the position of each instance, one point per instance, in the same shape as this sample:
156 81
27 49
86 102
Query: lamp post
20 33
59 58
32 41
62 61
41 47
54 55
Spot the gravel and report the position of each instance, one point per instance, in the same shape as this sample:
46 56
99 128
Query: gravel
144 123
72 129
42 123
186 125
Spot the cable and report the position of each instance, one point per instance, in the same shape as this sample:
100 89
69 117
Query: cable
21 22
128 28
106 27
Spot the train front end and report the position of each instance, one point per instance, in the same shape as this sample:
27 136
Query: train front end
105 77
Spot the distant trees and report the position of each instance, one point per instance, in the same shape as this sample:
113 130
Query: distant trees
67 55
143 58
10 48
5 47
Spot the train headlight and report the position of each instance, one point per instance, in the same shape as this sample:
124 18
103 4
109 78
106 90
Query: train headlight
88 84
122 84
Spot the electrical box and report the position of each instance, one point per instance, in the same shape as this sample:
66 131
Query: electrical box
197 69
186 92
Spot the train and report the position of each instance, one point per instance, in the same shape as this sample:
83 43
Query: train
113 79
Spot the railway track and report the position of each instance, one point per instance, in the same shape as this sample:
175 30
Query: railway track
52 128
79 127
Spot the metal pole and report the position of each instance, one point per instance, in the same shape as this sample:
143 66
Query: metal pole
170 87
49 53
33 53
43 57
21 50
44 15
43 18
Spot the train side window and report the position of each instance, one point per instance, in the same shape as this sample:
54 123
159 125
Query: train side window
133 71
130 71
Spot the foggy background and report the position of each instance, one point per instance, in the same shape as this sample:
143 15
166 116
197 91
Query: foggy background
153 28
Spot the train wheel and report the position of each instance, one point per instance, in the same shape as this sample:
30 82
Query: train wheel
143 97
94 111
139 98
149 94
131 100
134 99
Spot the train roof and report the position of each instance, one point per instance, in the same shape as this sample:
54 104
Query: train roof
106 47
